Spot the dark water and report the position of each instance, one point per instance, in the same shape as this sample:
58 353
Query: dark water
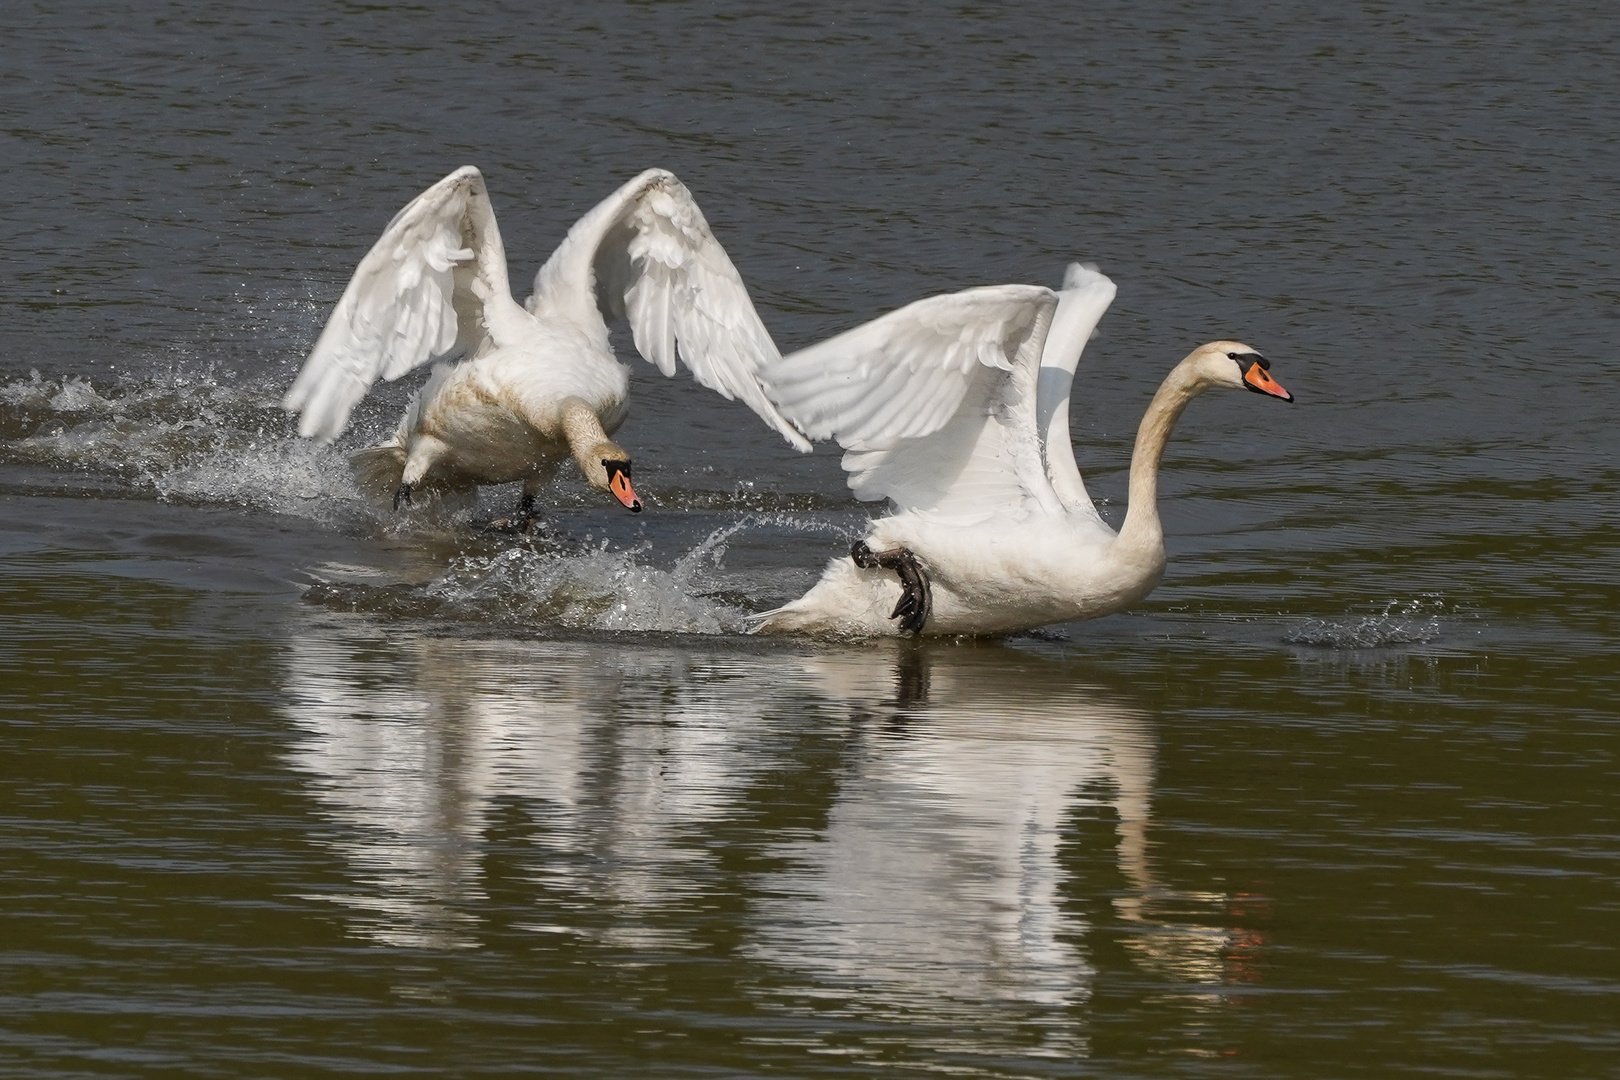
293 788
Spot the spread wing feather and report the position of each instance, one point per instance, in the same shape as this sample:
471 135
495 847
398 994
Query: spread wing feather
646 253
1084 298
935 402
904 375
417 296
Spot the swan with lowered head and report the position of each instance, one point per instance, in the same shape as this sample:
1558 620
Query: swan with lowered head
537 383
956 409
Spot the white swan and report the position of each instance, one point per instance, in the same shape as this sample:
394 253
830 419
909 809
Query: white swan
956 408
539 382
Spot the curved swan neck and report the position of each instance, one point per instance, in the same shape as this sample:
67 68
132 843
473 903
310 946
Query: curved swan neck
583 430
1141 528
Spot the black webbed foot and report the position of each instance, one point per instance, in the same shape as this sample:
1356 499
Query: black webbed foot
863 555
402 496
916 595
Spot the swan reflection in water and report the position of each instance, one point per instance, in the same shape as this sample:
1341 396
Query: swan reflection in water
623 755
904 817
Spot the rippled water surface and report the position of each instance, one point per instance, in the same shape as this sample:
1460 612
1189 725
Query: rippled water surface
294 786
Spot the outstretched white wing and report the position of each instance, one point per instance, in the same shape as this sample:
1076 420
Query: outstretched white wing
935 402
646 253
418 295
945 405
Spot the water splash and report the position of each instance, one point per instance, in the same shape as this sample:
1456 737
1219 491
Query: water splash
1400 622
589 588
600 589
205 437
551 583
201 437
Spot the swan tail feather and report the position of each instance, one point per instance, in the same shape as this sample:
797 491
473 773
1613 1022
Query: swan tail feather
378 470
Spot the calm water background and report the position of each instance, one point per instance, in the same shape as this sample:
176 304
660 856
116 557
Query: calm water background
289 787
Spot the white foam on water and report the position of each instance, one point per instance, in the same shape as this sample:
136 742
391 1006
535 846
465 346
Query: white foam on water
196 437
599 589
596 588
1400 622
205 437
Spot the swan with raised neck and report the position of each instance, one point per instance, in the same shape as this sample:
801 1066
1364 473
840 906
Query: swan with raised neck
992 531
1207 366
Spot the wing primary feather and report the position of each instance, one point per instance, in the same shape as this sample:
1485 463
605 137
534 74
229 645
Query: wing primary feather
931 402
399 310
684 299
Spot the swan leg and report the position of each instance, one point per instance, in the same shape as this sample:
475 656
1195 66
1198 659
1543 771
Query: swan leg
402 496
526 518
916 595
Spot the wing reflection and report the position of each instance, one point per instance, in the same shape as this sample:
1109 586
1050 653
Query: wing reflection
939 885
887 833
408 743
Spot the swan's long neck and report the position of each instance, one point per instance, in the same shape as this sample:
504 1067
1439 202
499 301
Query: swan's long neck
1142 534
583 430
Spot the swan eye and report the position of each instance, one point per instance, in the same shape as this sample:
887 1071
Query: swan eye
1244 360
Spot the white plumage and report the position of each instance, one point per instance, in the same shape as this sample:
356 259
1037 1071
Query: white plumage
956 410
535 383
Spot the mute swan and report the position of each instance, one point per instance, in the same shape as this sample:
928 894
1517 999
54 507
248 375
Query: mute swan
956 408
539 383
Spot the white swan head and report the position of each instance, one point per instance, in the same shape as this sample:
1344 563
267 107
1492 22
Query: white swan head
1236 366
607 468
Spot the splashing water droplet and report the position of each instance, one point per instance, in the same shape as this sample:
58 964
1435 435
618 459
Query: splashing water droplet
1399 622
